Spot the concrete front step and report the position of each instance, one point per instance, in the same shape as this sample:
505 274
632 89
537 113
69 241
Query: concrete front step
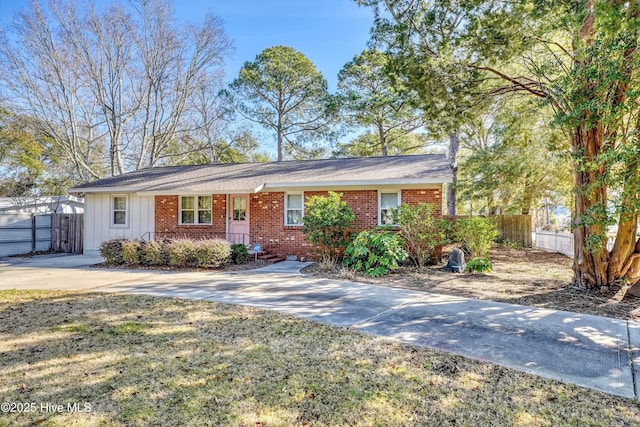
271 258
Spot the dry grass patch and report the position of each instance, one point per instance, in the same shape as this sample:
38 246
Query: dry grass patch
152 361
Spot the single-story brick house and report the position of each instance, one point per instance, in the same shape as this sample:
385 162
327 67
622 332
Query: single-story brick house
254 202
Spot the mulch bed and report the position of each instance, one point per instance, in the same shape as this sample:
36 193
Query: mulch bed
520 276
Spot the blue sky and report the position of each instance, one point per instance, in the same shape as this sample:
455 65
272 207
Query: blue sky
328 32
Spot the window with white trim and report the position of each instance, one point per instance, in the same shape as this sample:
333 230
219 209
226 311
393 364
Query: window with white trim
119 210
387 200
293 208
194 210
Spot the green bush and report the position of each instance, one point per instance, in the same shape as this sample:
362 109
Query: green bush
132 253
421 231
111 251
239 253
327 221
479 265
510 244
476 235
374 253
211 253
155 253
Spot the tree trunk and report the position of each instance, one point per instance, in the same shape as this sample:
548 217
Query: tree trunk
280 139
591 257
491 205
631 268
593 264
454 146
626 248
451 194
528 196
623 248
384 149
112 160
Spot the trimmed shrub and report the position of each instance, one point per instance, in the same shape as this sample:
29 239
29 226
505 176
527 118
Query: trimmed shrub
211 253
132 252
176 253
421 231
476 235
374 253
327 221
182 253
479 265
239 253
155 253
111 251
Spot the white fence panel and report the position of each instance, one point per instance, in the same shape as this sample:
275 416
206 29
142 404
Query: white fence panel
556 242
559 242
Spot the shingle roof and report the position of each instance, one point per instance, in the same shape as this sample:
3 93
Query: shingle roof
254 177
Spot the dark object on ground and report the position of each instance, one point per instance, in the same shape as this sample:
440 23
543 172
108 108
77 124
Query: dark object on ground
456 262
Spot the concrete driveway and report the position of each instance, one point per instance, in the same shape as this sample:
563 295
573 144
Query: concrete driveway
595 352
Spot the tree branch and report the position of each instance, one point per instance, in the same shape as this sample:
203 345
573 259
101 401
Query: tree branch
516 83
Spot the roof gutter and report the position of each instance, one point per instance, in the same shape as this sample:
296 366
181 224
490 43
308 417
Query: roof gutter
359 183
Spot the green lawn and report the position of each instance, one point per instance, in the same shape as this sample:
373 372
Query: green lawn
151 361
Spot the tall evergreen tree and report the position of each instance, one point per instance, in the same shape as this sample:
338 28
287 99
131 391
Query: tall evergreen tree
369 97
282 90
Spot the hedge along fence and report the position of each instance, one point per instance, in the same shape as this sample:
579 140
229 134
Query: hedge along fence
514 228
211 253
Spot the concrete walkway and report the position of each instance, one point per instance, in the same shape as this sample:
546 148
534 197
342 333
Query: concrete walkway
595 352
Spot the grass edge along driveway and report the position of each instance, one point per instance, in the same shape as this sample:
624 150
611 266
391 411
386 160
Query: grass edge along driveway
141 360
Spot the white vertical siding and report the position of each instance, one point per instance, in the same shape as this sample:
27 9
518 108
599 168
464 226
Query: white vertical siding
97 219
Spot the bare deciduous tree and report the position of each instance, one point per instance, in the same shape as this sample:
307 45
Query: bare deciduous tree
114 88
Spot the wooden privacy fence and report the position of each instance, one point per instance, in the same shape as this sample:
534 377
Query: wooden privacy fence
67 232
514 228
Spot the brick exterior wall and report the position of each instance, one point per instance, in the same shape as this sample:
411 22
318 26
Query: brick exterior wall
167 218
266 226
266 217
432 196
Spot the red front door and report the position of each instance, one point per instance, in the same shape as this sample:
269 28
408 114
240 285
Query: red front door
239 218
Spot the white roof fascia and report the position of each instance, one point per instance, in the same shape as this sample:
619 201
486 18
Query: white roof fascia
274 186
103 190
